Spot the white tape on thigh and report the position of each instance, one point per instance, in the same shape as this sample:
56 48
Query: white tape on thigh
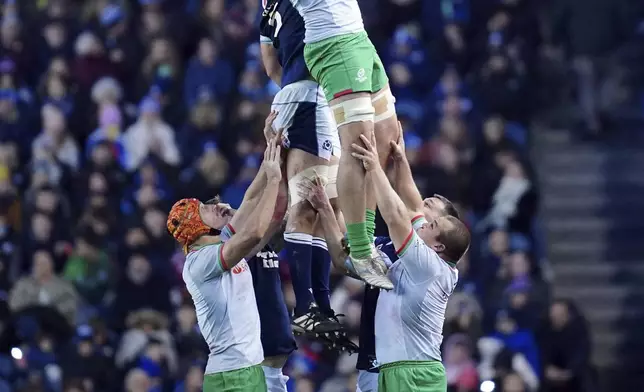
353 110
384 105
322 171
331 187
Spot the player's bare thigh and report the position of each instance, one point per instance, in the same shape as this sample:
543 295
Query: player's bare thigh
385 122
276 362
300 165
348 107
332 193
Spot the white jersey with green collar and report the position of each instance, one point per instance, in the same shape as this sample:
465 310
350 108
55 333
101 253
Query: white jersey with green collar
226 309
328 18
409 318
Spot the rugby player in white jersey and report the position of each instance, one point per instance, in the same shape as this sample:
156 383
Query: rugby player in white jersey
409 318
220 282
340 56
421 211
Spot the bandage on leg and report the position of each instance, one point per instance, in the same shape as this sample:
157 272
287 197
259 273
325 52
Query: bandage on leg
322 171
331 187
384 105
353 110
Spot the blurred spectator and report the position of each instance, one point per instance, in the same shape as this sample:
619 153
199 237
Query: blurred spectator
123 51
84 363
517 346
514 202
566 349
147 341
44 288
591 32
207 73
139 289
137 381
459 365
89 268
55 146
512 382
193 382
202 127
150 135
91 62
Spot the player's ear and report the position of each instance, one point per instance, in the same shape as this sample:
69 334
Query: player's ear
439 247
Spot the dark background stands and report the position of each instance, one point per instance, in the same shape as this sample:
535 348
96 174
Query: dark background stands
111 110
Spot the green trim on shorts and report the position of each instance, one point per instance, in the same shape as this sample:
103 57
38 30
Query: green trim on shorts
345 64
416 376
248 379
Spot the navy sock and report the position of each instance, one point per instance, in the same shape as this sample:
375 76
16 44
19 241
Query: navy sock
298 255
321 270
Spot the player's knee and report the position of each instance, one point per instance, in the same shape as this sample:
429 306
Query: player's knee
358 109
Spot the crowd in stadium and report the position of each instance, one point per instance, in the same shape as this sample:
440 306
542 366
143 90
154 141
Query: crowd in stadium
111 111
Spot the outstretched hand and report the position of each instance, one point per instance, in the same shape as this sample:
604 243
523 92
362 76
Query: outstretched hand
272 158
367 154
313 191
398 147
269 132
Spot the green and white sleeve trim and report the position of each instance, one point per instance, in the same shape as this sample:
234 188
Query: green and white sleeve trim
418 221
227 232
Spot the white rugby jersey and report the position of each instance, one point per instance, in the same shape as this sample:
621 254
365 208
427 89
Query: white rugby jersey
226 309
328 18
409 318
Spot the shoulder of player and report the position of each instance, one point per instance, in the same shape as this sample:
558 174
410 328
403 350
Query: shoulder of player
204 253
416 241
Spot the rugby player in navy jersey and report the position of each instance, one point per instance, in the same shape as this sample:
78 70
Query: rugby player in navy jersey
420 212
313 146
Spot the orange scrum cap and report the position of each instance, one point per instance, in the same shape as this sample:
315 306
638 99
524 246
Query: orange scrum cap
184 222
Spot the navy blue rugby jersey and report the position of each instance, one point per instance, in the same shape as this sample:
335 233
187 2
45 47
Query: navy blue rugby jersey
283 26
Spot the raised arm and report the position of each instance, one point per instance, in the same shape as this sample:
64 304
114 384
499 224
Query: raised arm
404 183
270 60
393 210
269 28
250 233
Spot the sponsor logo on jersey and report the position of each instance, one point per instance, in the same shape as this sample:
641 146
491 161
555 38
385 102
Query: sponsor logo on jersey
269 259
240 267
327 145
361 76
